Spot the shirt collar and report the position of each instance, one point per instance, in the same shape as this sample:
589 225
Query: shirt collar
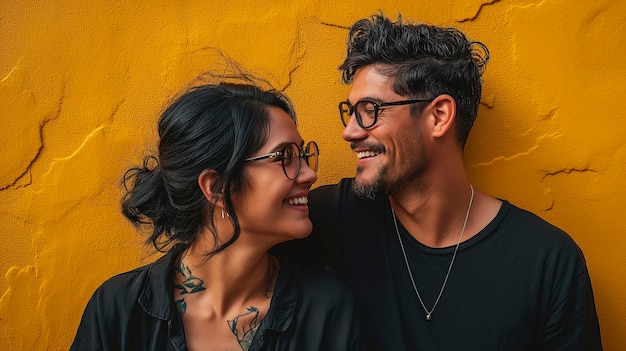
156 297
283 305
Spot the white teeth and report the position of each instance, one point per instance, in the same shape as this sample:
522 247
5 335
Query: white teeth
298 201
364 154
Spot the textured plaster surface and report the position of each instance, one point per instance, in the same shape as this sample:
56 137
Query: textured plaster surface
82 84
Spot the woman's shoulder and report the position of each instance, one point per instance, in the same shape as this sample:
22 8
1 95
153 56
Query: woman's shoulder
124 284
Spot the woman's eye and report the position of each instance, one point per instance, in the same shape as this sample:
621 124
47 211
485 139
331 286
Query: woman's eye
288 153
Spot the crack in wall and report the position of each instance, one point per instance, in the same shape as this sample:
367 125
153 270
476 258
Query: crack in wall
77 151
480 8
298 57
566 171
116 109
290 76
551 207
334 25
550 114
297 65
563 171
505 158
538 142
15 184
488 104
27 170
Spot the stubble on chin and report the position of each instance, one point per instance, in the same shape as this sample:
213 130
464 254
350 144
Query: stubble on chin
367 190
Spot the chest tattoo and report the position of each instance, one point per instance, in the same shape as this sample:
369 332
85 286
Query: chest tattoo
244 326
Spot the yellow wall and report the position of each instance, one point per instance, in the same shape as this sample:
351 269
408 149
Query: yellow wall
82 83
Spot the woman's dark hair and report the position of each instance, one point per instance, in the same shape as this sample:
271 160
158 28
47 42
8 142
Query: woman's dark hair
210 126
425 61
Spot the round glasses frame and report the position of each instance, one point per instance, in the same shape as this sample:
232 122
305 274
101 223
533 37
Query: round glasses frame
310 153
369 108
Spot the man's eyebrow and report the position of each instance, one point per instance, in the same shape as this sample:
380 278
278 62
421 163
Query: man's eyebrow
366 98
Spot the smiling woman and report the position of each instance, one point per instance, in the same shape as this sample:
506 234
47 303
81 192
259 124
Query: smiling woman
230 181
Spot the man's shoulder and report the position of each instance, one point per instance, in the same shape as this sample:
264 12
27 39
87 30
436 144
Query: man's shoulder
339 196
342 187
537 231
528 219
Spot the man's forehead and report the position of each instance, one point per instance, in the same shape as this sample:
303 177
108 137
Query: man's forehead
370 84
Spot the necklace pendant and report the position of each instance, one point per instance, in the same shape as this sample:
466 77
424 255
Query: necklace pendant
428 317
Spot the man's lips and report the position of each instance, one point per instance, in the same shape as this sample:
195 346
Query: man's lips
365 150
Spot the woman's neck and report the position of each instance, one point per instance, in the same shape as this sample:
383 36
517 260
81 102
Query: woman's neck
230 279
224 299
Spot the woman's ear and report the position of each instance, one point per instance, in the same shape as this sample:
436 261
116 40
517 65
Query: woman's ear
444 112
206 181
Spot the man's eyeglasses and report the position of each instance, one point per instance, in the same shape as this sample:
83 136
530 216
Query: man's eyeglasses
290 157
366 112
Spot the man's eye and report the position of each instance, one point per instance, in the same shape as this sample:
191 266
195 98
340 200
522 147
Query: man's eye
381 109
367 107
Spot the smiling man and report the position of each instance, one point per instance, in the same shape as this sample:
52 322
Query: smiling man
435 263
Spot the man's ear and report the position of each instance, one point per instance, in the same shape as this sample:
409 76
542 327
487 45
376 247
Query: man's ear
444 112
206 181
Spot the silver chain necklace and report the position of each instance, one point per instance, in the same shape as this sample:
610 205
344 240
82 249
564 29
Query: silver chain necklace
445 280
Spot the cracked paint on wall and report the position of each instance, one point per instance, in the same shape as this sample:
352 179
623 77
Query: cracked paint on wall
23 123
82 85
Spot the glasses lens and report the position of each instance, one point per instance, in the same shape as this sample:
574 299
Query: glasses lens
345 113
311 155
291 161
366 113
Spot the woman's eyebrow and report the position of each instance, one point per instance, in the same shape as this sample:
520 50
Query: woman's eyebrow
282 145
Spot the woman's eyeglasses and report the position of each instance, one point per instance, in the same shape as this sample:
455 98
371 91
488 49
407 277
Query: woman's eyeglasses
290 157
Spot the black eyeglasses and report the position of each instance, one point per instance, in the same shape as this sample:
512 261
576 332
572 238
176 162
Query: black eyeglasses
366 112
290 157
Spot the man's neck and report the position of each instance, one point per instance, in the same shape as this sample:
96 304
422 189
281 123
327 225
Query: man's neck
435 215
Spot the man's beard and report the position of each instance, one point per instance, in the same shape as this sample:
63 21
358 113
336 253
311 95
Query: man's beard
369 191
387 183
392 178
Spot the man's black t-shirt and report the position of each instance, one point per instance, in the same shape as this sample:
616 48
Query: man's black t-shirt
519 284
